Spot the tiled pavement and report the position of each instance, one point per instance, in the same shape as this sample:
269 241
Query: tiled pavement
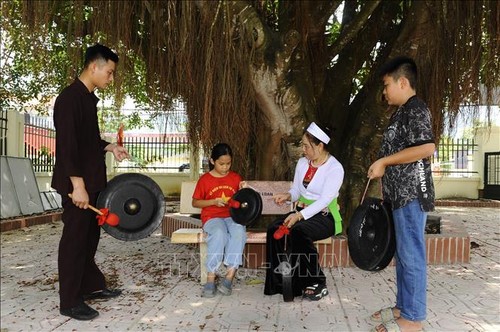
161 291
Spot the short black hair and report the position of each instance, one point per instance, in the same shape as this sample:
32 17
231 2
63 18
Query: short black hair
401 66
99 51
220 149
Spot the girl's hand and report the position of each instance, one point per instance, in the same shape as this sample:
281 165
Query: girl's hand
219 202
243 184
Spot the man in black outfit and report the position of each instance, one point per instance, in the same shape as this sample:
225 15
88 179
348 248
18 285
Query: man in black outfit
80 170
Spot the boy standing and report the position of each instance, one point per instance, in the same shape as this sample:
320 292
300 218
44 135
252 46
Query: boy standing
407 184
80 170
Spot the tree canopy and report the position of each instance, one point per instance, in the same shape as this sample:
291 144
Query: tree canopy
254 73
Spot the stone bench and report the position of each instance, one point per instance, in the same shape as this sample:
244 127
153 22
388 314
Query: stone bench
196 236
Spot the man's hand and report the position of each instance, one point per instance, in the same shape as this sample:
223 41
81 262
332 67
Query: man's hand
80 198
119 152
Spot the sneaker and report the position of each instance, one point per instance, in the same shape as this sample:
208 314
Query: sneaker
209 290
226 287
318 292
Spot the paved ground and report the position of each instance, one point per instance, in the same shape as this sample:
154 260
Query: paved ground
161 291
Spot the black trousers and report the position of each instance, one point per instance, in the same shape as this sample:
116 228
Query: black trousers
78 272
302 253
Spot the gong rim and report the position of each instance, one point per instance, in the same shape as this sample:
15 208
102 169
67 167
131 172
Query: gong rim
371 237
138 201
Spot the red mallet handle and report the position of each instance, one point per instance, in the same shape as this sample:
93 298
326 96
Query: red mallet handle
234 204
119 138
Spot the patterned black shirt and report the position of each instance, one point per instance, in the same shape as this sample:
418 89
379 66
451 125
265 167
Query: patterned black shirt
409 126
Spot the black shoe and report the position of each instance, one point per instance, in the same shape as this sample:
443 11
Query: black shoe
80 312
103 294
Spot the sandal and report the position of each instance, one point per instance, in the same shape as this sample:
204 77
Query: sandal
384 315
209 290
225 287
391 326
318 292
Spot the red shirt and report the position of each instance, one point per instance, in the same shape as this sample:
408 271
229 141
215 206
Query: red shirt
211 187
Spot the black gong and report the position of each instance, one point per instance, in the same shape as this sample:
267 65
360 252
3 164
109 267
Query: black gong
138 201
250 206
371 237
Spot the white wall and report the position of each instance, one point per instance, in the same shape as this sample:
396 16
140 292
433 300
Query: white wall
454 187
487 140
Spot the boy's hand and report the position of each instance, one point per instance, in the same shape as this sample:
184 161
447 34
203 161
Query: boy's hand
377 169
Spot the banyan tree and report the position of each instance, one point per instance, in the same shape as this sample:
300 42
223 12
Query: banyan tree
254 73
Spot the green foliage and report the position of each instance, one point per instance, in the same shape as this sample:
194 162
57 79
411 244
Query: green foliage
28 75
36 66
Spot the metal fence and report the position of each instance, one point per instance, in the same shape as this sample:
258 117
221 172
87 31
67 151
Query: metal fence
39 142
3 132
454 157
157 153
171 152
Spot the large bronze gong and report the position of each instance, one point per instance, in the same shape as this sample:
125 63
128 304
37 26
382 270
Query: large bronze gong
371 237
138 201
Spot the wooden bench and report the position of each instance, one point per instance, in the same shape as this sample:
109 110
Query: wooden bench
196 236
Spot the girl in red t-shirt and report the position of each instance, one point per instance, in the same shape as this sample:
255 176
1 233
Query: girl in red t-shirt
225 238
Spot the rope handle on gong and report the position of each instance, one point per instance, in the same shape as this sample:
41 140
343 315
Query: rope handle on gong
364 194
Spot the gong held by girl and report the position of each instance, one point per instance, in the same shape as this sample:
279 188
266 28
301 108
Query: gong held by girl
315 188
225 238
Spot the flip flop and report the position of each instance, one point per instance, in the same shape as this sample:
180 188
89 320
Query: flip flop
391 326
384 315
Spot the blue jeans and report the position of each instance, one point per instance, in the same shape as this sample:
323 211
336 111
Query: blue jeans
411 263
225 239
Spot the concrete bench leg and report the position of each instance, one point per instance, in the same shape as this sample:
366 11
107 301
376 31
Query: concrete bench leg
203 261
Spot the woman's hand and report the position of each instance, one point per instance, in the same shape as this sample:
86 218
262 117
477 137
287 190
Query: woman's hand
292 219
281 198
